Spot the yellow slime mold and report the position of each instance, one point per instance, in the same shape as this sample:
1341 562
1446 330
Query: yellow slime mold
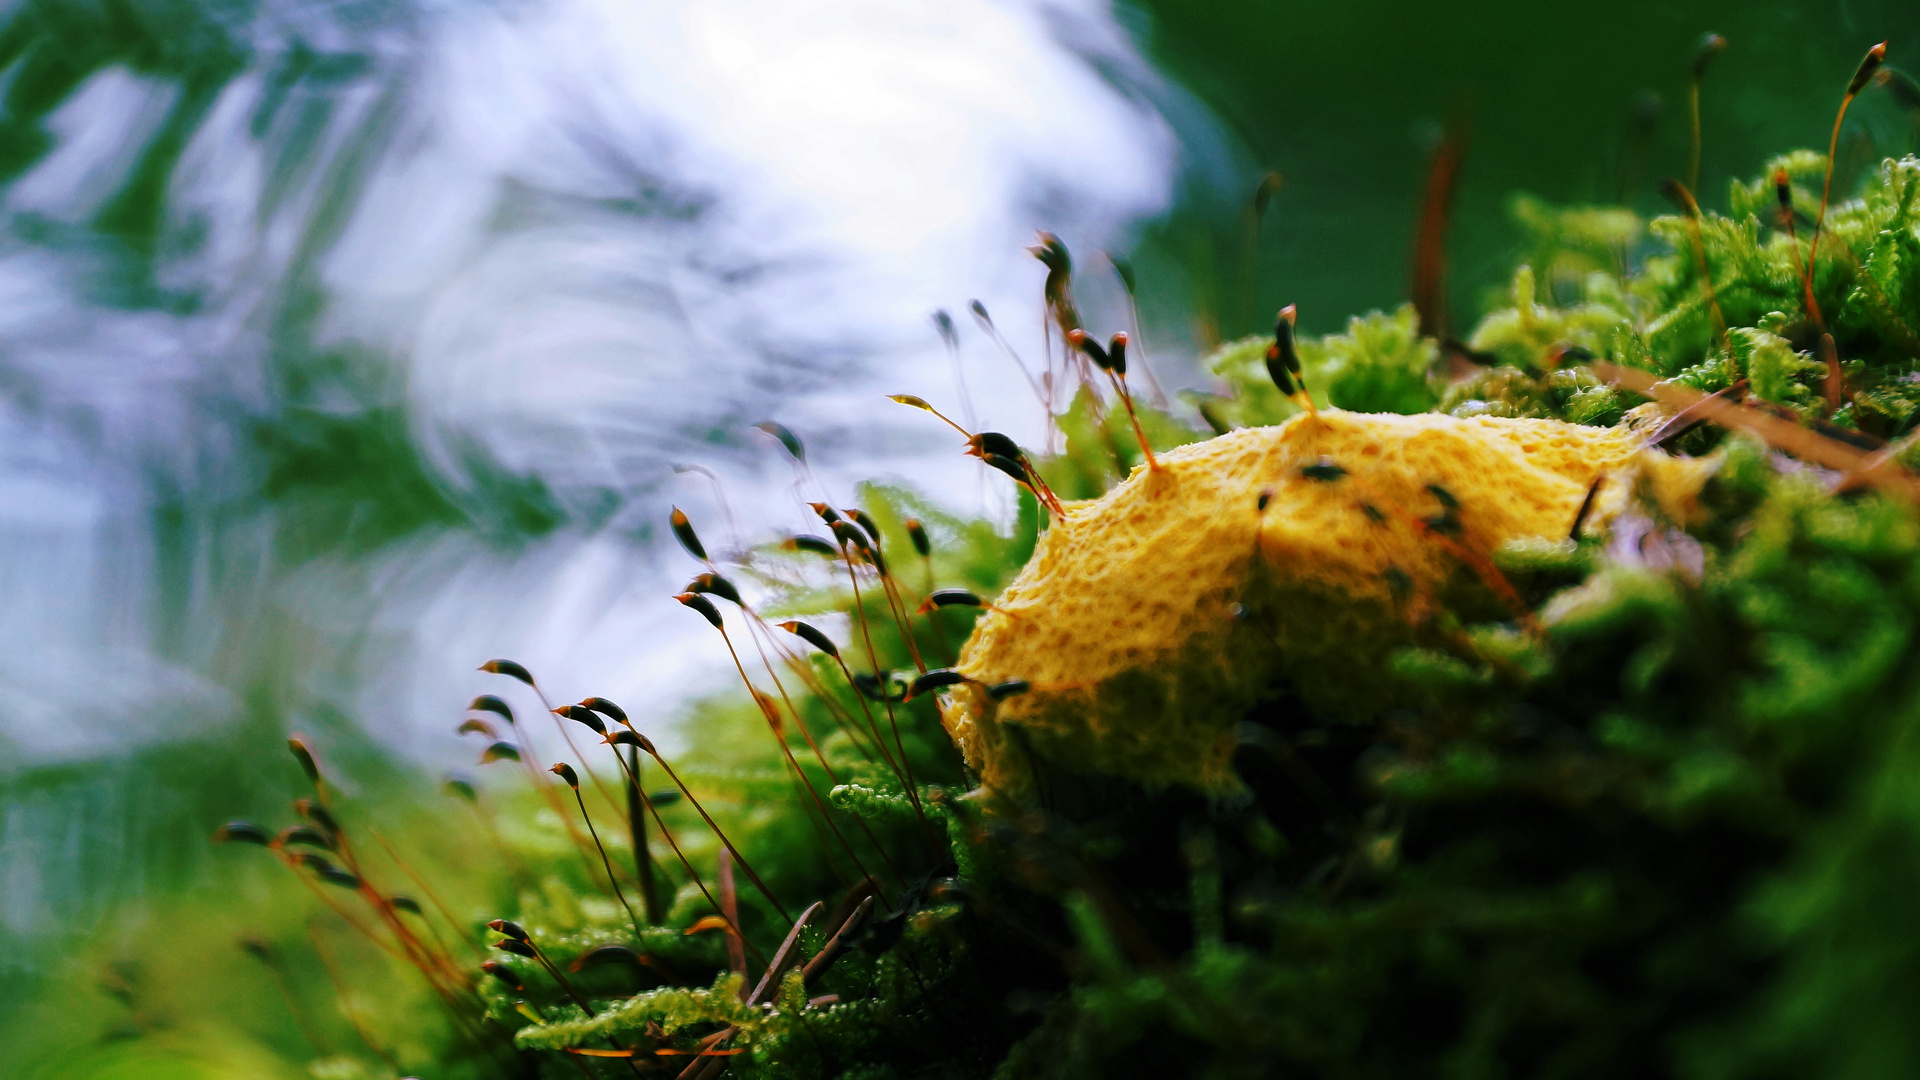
1151 618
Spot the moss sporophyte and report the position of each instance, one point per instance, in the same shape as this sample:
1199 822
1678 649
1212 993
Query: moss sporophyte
1536 702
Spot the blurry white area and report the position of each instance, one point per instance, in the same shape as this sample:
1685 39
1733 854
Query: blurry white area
597 238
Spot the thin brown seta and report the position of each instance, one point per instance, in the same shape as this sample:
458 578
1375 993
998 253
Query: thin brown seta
902 766
1682 197
771 714
1113 361
1124 270
566 773
1836 384
1709 47
730 910
1859 466
647 745
629 737
528 750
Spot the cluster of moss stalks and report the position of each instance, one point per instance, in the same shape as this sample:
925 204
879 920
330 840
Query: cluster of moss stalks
1673 831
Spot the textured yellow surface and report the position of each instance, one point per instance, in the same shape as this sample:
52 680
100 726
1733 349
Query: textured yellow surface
1151 618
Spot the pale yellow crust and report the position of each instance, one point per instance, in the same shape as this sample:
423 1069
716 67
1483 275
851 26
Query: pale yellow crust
1151 618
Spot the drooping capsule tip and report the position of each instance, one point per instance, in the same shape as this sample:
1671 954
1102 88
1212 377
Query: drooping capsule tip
683 532
785 437
1868 65
509 669
702 605
1709 47
304 756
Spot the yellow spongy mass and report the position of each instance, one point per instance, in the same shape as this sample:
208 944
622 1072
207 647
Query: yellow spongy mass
1150 619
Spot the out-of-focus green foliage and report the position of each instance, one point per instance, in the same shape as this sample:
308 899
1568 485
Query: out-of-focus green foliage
1603 296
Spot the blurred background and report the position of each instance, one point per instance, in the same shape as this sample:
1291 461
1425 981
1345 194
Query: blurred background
346 345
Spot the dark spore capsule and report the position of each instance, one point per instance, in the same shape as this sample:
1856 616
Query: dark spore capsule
489 703
1052 254
811 636
1117 353
810 543
825 512
307 835
327 872
460 789
1079 339
1708 48
500 751
992 442
508 927
849 536
1009 466
508 668
1277 371
876 688
505 974
934 680
865 521
304 756
473 724
917 534
943 323
940 598
580 714
702 605
683 532
980 315
666 797
605 708
1868 65
337 877
629 737
241 832
1283 350
404 903
787 438
607 954
317 814
516 947
565 772
718 586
